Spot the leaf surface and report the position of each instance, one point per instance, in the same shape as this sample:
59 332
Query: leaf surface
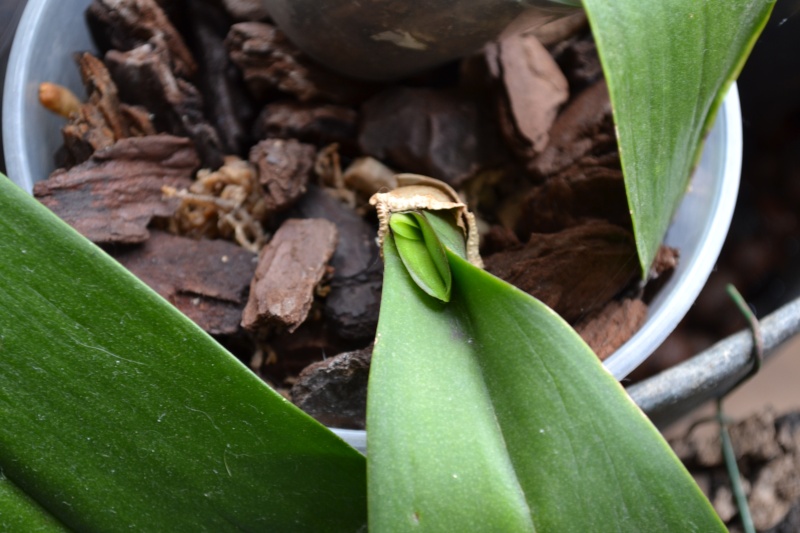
489 413
668 65
120 414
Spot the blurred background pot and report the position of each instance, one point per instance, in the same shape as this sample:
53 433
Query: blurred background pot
51 30
391 39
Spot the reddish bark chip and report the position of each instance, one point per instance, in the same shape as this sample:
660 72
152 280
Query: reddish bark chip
145 78
535 88
352 305
112 197
128 24
289 269
284 167
102 119
319 124
576 271
584 128
206 279
609 329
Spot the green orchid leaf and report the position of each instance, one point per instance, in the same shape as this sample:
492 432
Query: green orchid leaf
19 513
489 413
668 65
120 414
422 254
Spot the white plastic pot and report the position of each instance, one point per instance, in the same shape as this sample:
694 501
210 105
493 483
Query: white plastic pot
51 30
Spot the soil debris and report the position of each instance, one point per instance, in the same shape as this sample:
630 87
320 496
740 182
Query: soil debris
228 105
768 454
102 119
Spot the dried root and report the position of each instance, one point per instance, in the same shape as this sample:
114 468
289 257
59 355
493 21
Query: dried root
226 203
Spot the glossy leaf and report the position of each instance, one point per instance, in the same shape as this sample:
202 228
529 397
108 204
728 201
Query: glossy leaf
489 413
668 64
120 414
422 253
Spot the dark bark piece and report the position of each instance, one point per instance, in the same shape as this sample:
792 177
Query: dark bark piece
578 59
246 10
144 77
127 24
207 280
318 124
498 239
534 90
289 268
571 198
283 168
113 196
437 133
585 128
271 64
102 119
227 103
576 271
334 391
352 305
609 329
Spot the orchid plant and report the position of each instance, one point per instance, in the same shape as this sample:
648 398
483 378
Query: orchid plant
486 412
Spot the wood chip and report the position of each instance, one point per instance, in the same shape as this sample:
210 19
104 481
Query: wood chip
102 119
584 128
576 271
318 124
289 269
127 24
207 280
284 168
113 196
228 105
425 131
352 304
609 329
534 86
145 78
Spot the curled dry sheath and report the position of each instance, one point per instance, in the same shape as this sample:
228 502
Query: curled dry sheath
416 193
